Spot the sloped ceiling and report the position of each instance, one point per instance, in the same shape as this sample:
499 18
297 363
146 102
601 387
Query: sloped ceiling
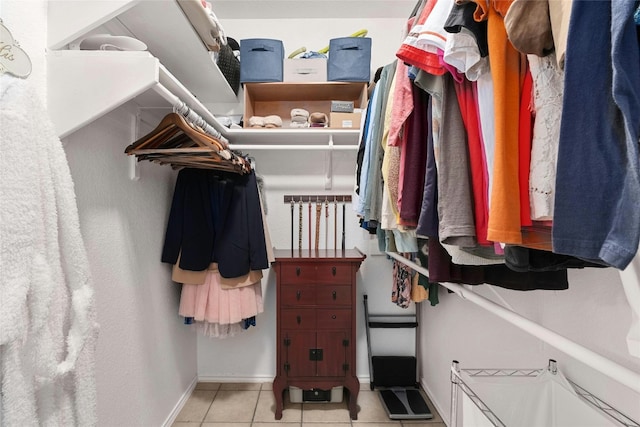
309 9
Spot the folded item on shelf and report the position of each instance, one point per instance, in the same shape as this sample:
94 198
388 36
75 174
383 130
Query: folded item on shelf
318 119
224 120
109 42
205 22
299 113
230 121
299 118
272 121
256 122
299 125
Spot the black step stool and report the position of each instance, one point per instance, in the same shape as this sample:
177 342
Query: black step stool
396 376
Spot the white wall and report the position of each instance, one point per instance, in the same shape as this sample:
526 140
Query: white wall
146 357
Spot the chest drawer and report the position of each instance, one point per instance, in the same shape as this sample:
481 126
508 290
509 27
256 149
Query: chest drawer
297 318
293 273
333 295
336 273
297 295
325 272
333 318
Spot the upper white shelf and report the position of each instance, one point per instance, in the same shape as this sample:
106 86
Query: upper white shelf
84 85
294 138
160 24
73 74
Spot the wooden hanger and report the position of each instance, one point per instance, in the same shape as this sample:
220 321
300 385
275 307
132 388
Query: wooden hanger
177 142
171 125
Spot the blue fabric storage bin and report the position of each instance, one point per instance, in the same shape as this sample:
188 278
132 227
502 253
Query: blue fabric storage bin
261 60
349 59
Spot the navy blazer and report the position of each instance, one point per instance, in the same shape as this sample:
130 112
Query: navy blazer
216 217
240 245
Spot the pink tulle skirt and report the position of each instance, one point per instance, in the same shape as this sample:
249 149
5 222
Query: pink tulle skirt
210 303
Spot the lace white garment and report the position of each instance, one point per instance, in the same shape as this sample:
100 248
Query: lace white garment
548 83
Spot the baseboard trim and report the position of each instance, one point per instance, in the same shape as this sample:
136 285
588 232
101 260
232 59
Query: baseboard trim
444 414
256 379
183 400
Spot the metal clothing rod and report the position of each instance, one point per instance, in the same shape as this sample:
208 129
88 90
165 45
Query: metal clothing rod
281 147
609 368
189 113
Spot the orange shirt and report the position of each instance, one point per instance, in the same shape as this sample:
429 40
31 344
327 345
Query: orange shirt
504 213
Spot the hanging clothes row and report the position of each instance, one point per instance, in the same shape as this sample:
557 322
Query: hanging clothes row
509 160
218 243
216 238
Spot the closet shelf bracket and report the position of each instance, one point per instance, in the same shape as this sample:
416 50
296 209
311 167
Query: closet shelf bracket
328 165
134 171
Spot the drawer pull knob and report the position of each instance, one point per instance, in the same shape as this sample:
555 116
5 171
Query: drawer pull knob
298 295
334 294
333 270
297 271
334 317
298 319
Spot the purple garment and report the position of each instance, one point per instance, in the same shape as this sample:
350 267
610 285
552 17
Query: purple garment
428 220
415 158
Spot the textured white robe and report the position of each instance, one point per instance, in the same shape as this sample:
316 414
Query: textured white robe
48 329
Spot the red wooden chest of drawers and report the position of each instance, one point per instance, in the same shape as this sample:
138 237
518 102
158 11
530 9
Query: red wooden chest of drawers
316 322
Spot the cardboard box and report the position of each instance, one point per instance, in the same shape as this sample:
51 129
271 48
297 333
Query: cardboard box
264 99
345 120
305 70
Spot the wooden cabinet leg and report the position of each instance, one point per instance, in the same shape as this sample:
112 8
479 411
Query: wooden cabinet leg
279 385
353 386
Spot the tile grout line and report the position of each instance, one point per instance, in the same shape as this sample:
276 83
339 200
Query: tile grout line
255 409
209 408
301 409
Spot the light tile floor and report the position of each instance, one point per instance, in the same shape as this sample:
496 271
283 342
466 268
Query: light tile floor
253 405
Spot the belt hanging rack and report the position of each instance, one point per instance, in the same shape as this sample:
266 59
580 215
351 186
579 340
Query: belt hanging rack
318 200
